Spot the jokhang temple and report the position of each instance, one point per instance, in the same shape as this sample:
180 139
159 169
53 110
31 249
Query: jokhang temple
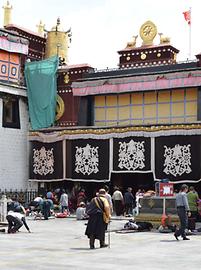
128 126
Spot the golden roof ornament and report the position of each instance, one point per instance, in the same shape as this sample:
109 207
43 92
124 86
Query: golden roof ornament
41 28
164 39
7 13
148 32
57 27
57 43
132 44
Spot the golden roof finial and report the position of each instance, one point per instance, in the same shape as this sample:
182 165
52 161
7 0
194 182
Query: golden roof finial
41 28
57 27
7 13
58 21
58 42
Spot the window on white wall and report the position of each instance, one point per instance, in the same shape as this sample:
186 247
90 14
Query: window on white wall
11 117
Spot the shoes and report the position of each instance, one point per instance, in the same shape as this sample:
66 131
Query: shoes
92 247
11 231
176 236
103 246
185 238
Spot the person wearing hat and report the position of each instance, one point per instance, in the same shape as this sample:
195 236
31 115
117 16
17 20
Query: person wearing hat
81 212
99 216
183 212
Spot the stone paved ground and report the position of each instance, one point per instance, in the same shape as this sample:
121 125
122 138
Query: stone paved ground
61 244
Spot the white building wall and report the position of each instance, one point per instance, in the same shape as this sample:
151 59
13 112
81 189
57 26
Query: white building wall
14 159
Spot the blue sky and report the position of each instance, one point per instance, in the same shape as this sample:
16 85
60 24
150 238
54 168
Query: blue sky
102 27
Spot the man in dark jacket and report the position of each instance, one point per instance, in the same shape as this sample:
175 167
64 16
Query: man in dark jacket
99 216
129 201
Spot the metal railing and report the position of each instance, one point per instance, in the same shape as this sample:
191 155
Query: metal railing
23 196
107 69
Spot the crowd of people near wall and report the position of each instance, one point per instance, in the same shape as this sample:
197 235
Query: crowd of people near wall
75 202
61 203
125 203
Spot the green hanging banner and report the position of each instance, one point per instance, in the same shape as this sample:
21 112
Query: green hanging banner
42 91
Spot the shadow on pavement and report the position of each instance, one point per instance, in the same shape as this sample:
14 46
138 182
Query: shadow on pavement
169 241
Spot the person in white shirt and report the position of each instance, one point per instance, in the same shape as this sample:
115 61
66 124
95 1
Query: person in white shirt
81 212
64 201
109 198
118 200
39 199
15 221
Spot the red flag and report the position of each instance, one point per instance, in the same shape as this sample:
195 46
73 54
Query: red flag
187 16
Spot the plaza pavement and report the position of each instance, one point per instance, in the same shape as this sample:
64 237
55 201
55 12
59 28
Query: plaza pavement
61 244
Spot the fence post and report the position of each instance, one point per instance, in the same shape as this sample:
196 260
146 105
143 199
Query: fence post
3 208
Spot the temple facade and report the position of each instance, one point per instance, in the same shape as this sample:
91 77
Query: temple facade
129 126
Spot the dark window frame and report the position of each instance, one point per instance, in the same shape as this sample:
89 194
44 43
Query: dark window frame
15 113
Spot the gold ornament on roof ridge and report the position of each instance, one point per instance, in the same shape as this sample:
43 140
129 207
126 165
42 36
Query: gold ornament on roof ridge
132 43
164 39
148 32
7 13
41 28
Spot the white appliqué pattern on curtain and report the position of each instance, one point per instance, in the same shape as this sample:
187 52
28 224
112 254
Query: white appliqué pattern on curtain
131 155
43 161
87 159
177 159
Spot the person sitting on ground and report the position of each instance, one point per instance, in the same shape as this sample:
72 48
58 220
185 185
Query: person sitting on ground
81 212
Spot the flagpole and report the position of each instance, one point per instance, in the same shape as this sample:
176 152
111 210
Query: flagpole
190 35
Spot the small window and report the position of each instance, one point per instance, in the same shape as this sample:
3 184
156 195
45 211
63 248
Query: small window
11 117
